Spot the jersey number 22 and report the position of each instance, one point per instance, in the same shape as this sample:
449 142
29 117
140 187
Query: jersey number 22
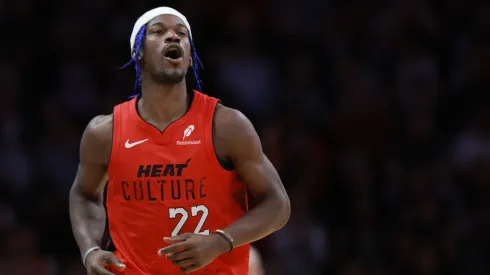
173 212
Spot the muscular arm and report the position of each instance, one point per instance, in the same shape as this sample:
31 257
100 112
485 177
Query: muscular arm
236 139
87 212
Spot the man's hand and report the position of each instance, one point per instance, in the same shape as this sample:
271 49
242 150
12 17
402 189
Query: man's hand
98 260
191 252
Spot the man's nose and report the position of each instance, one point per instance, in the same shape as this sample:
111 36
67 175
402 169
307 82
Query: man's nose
172 37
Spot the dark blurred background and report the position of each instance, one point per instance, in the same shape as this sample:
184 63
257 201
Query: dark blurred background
375 113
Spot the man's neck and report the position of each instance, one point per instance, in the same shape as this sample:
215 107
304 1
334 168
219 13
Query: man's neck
163 103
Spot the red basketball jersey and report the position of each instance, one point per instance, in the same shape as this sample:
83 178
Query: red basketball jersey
167 183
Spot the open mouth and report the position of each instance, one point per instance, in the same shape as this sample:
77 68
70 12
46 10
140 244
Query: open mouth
173 52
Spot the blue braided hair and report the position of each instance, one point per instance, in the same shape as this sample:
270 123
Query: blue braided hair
195 66
134 59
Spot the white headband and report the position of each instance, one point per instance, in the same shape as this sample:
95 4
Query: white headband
149 15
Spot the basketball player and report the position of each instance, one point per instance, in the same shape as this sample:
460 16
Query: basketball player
179 167
256 266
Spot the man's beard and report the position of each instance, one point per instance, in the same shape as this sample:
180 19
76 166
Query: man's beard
170 78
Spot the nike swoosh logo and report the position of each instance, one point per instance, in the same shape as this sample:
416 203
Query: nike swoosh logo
129 145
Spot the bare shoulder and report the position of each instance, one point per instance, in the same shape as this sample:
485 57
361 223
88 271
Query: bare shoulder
96 143
228 119
99 129
233 133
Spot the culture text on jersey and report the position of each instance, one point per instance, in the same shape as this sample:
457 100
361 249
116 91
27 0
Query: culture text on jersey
161 190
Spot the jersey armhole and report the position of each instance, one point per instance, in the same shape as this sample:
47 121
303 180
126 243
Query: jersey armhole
211 152
116 129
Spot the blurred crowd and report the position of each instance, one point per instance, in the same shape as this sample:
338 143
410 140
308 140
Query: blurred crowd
375 113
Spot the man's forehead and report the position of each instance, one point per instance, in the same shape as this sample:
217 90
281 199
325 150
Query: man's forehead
166 20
